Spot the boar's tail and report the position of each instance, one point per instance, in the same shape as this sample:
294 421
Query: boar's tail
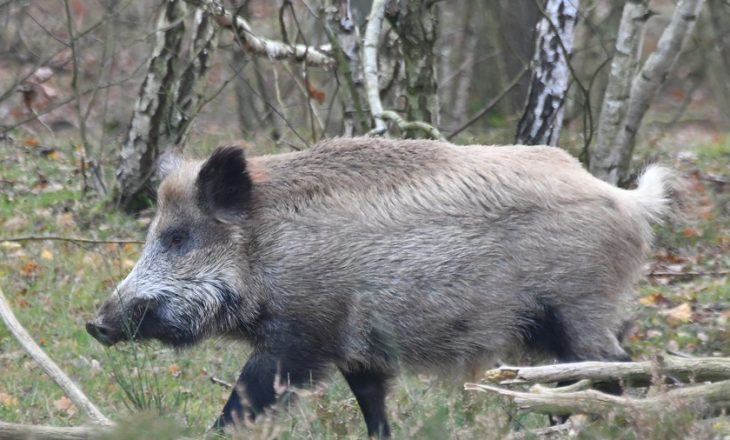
652 192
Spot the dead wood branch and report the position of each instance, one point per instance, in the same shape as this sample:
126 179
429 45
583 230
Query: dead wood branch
404 125
598 403
276 50
684 369
71 239
46 363
15 431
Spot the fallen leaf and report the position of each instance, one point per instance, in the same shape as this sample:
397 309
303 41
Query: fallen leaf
127 263
95 367
46 255
653 299
65 220
315 93
8 400
10 245
31 141
64 404
174 369
676 315
29 269
14 224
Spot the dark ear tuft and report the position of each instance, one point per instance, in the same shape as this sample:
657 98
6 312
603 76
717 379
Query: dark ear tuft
224 186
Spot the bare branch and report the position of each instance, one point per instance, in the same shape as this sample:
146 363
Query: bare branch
491 104
46 363
404 125
276 50
71 239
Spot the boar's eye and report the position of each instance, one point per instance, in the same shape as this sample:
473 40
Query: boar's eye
175 240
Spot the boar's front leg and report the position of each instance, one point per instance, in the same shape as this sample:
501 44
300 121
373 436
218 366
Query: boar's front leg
254 391
370 389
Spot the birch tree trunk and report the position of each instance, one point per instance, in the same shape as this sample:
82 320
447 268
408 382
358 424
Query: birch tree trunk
170 97
416 23
720 18
142 145
190 86
343 34
543 115
610 158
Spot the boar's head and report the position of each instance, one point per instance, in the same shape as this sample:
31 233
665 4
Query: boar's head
190 278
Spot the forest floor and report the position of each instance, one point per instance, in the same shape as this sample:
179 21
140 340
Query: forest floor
683 305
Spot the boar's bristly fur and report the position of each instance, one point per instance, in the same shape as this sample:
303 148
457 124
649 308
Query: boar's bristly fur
372 255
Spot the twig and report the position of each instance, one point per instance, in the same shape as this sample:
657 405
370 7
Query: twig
71 239
690 273
220 382
258 45
370 63
557 431
491 104
70 389
404 125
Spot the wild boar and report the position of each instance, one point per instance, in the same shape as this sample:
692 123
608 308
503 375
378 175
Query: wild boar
373 255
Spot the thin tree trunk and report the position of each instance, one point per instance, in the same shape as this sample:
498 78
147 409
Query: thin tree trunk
623 68
190 87
345 39
543 115
462 86
142 146
416 23
611 161
720 18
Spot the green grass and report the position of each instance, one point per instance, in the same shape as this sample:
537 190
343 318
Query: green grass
155 392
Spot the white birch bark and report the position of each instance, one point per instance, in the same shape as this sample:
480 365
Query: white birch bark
543 115
611 161
623 68
189 88
140 150
370 64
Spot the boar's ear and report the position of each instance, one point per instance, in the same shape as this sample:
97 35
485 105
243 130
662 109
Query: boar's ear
224 186
169 161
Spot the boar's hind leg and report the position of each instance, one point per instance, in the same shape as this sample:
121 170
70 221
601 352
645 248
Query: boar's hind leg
254 391
370 388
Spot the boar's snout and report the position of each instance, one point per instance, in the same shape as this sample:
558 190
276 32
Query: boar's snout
103 333
107 328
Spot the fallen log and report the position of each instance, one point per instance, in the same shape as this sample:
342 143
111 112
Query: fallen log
16 431
679 368
551 401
